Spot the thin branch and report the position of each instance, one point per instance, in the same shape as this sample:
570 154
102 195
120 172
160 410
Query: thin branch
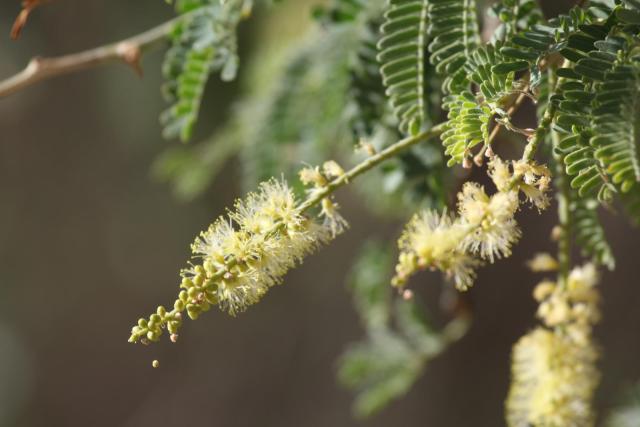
563 197
368 164
128 51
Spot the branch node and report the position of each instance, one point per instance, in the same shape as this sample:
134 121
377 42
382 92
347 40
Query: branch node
131 54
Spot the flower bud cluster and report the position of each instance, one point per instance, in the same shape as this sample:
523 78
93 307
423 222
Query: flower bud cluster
316 179
239 258
573 307
554 366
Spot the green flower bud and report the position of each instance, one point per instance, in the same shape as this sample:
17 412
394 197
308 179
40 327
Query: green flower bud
161 311
193 311
198 279
153 336
186 283
193 293
178 305
184 296
173 327
142 323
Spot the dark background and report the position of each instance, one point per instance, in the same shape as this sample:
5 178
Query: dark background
89 242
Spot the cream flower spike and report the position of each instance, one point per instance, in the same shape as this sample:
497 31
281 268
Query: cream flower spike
240 257
432 240
554 366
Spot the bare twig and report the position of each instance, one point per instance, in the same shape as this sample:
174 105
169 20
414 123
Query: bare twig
128 51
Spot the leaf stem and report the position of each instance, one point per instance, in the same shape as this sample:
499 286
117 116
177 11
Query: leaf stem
317 196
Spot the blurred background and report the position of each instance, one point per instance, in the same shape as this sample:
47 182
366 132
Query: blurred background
90 240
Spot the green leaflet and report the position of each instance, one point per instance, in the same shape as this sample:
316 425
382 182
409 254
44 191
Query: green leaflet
588 231
469 113
453 29
203 43
402 57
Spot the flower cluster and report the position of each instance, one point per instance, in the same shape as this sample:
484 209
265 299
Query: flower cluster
554 372
316 179
532 179
240 258
484 230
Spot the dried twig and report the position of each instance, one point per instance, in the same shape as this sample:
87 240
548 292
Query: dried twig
128 51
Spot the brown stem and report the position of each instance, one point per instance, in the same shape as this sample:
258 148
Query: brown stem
129 51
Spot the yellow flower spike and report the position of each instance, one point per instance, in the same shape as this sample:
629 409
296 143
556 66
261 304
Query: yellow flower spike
553 381
243 255
554 375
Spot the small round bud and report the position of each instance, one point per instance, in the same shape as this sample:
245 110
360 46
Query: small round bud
184 296
178 306
193 311
173 327
161 311
142 323
155 364
193 293
198 279
407 294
